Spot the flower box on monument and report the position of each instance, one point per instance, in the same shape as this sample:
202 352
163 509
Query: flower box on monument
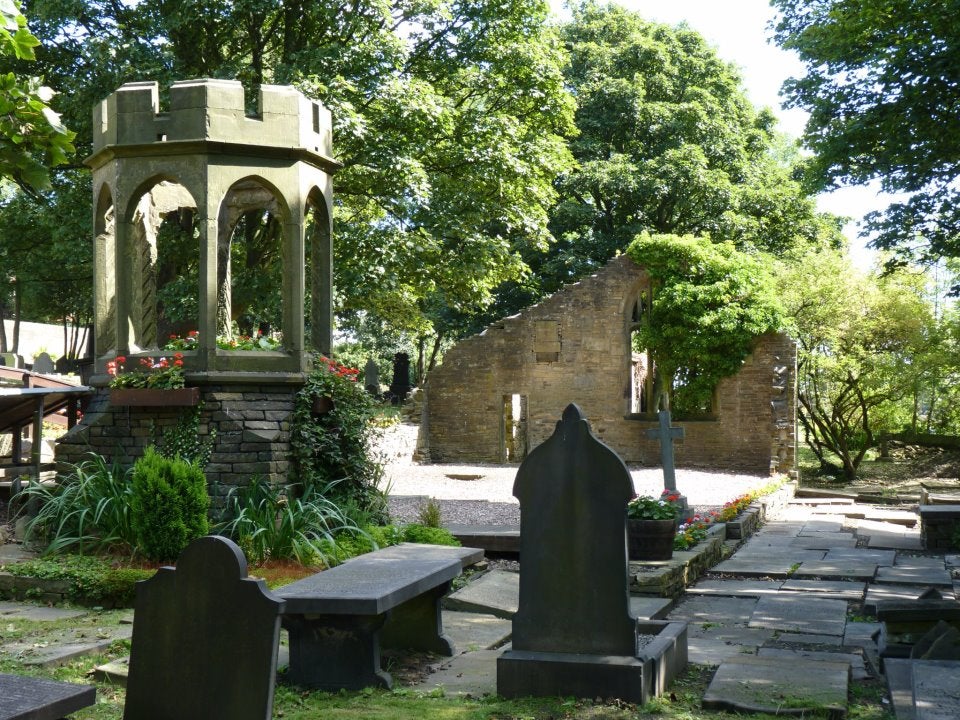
155 397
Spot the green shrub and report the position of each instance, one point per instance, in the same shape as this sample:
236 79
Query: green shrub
429 514
429 535
267 523
348 545
331 442
91 579
169 505
88 509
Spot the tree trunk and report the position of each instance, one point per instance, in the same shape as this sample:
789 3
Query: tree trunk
17 306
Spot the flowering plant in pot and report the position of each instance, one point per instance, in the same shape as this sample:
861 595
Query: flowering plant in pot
652 526
645 507
160 374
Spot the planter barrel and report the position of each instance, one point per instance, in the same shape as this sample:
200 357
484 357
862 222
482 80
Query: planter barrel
155 397
650 539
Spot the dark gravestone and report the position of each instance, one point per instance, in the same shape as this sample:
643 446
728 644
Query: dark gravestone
400 387
573 633
371 378
43 364
205 639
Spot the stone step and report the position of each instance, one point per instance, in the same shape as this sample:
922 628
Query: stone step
498 539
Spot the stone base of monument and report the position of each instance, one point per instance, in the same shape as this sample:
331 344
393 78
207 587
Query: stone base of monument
662 655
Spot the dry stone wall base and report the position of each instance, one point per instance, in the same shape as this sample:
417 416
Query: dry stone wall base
251 426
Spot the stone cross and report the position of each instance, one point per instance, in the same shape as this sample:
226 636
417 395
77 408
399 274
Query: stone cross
666 435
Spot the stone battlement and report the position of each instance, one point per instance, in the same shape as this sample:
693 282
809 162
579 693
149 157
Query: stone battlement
214 111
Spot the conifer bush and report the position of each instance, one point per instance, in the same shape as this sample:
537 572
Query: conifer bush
169 505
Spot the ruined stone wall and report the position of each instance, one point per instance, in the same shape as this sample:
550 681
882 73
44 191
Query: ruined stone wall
575 347
251 422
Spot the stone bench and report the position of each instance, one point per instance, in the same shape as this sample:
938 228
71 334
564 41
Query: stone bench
338 619
27 698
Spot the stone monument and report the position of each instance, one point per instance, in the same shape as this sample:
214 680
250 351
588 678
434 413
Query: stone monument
573 633
203 168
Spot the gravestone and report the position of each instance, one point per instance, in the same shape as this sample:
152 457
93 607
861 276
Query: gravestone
10 359
573 633
371 377
400 386
666 435
205 639
43 364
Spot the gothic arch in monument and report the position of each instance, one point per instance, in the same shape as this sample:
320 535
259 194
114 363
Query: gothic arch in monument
199 169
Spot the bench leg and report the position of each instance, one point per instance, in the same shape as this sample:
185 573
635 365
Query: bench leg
330 652
418 625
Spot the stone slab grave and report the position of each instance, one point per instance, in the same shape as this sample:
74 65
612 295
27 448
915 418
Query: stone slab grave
338 620
904 624
498 593
810 615
735 588
573 634
878 594
205 639
779 686
916 571
27 698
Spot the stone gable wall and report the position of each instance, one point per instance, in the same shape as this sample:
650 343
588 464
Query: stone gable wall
575 347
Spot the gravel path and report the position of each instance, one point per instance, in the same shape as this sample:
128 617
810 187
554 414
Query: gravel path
483 494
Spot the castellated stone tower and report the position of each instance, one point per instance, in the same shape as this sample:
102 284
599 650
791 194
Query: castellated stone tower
211 219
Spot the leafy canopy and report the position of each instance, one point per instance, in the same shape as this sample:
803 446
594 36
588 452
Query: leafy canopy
32 138
881 82
710 301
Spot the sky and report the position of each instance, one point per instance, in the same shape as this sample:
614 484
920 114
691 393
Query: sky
738 30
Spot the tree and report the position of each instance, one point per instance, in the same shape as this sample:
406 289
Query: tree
667 143
709 303
55 282
881 88
862 340
32 139
449 118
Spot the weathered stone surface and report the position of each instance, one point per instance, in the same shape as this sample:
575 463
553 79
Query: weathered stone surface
817 616
858 669
724 610
736 588
26 698
496 592
36 613
844 590
470 632
880 593
753 684
711 644
915 575
473 674
229 622
836 569
936 689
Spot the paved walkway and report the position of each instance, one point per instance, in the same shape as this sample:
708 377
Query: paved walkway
791 611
